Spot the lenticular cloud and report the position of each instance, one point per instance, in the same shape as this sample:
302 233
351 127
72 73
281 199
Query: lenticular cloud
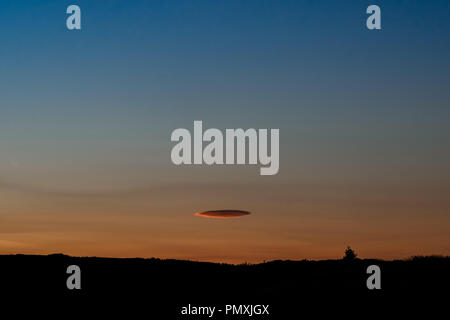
223 214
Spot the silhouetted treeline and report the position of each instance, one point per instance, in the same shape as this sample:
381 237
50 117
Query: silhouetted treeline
164 286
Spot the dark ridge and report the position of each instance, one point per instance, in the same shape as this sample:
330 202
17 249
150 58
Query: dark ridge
166 285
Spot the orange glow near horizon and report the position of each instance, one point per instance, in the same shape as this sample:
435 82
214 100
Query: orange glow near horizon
289 222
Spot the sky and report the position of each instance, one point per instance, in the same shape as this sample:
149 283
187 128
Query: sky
86 119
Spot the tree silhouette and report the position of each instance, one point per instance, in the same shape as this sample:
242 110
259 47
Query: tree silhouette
349 254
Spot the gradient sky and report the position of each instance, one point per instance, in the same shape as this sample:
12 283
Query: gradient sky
86 118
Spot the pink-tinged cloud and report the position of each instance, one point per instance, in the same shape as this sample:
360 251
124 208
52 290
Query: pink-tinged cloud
222 214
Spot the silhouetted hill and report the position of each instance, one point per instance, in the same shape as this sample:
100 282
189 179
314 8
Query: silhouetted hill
165 286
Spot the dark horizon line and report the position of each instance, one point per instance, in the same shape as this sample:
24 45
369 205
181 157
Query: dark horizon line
411 258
